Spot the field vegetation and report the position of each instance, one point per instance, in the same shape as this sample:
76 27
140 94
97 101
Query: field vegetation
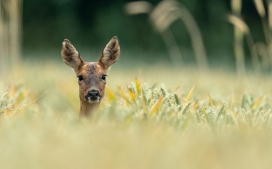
171 118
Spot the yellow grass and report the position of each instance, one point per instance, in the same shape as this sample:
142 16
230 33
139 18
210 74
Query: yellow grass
39 126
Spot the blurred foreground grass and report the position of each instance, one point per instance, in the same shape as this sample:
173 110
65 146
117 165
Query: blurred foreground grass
167 118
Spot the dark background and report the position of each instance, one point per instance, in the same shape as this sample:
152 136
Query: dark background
91 24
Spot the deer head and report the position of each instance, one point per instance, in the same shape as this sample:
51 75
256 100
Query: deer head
91 75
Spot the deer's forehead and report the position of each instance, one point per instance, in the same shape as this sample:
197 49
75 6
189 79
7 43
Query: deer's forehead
91 68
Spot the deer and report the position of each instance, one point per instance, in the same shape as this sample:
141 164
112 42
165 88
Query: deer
91 75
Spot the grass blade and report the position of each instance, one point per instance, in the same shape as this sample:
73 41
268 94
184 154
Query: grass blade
189 95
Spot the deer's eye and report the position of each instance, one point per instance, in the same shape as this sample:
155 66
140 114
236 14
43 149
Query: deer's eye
80 78
103 77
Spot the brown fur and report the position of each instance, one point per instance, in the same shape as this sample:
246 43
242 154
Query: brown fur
90 71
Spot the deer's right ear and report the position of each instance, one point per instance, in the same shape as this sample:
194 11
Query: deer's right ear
70 55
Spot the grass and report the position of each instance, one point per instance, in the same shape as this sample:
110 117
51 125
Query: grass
151 117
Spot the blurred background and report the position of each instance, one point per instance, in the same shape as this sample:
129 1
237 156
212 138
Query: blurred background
206 33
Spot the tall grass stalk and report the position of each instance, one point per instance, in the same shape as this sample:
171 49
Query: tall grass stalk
173 49
163 16
242 26
262 13
265 53
270 17
10 31
196 37
167 12
239 52
261 50
140 7
15 29
270 31
236 6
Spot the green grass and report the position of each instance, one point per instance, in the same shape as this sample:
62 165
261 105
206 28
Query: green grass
167 118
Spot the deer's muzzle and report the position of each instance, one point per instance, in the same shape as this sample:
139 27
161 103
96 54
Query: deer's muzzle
93 96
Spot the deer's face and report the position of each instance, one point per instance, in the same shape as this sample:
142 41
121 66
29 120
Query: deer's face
91 81
91 75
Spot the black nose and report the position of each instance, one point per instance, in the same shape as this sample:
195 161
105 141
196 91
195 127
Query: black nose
93 93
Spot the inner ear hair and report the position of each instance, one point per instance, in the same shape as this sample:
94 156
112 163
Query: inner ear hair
111 53
70 55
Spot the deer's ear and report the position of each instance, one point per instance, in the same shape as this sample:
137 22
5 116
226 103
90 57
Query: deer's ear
110 54
70 55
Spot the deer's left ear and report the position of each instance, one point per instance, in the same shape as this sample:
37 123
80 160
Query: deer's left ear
110 54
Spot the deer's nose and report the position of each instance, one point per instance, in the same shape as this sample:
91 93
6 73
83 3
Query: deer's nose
93 96
93 93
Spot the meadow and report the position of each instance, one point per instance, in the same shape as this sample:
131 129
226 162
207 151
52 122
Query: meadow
153 116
